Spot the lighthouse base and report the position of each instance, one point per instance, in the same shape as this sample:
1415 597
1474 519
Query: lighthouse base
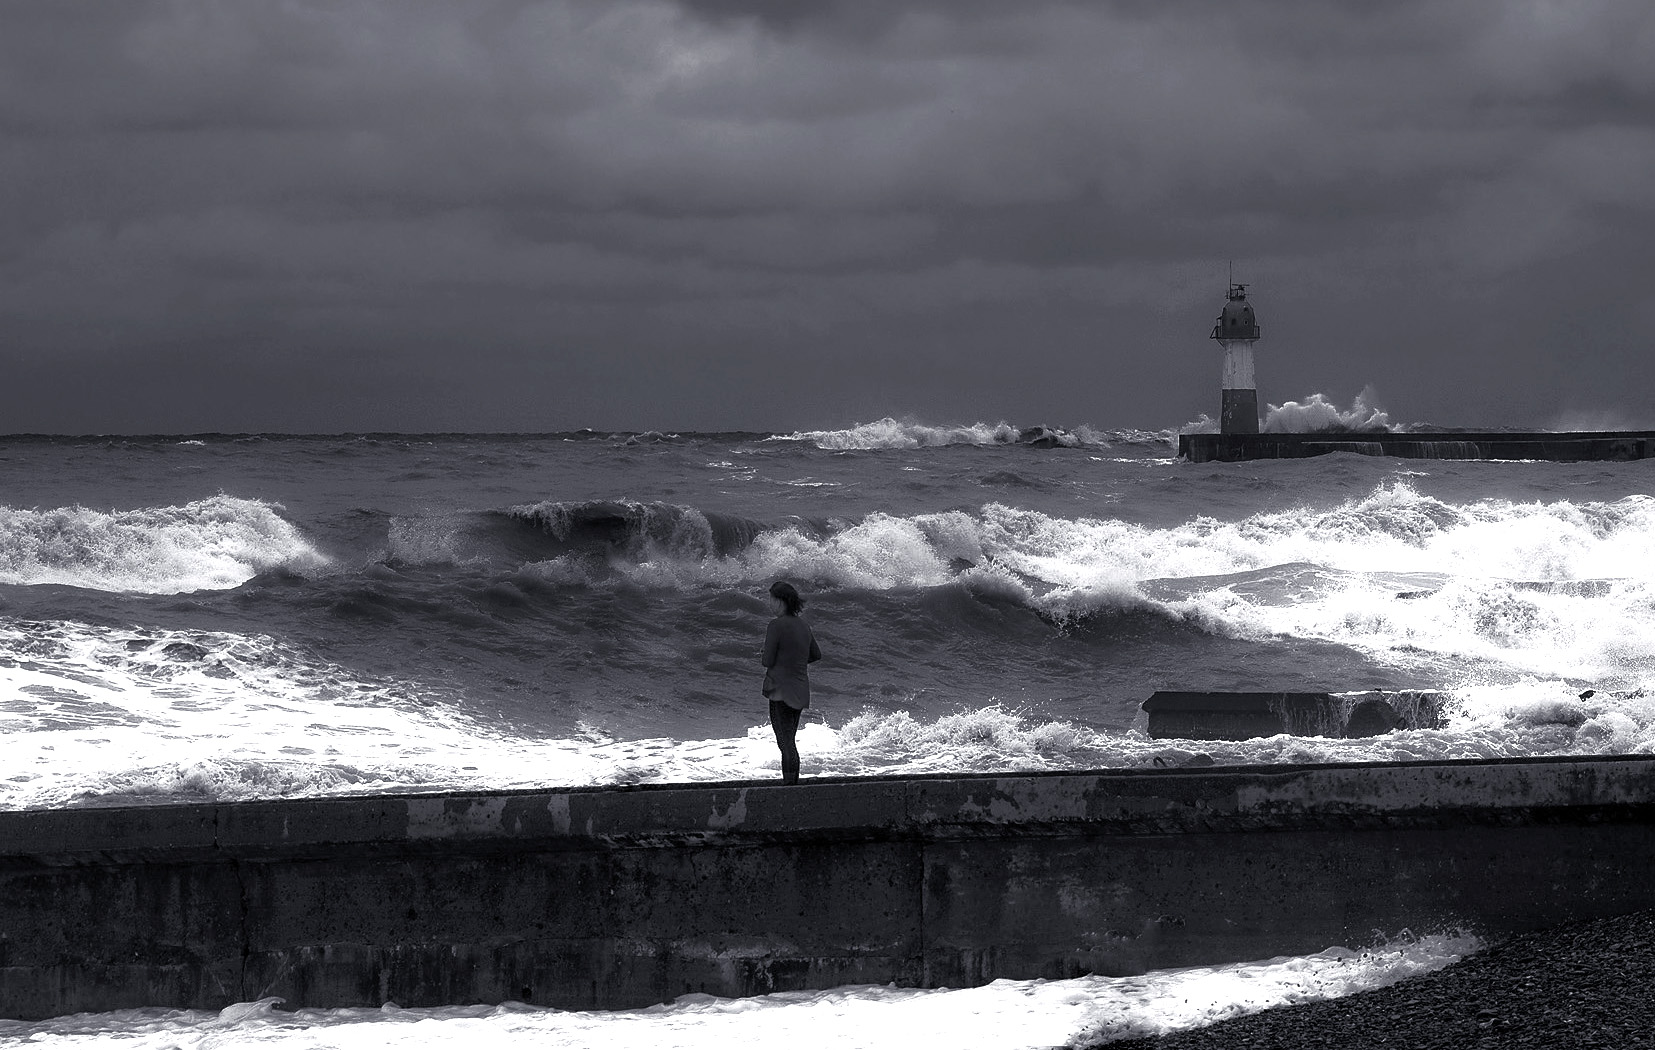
1238 413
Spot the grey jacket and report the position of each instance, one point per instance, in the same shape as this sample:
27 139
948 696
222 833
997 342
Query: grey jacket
789 648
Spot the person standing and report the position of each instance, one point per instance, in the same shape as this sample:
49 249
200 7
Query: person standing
789 650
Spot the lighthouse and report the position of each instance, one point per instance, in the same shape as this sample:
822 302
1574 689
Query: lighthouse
1236 332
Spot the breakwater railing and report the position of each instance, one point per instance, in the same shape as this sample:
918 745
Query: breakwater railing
623 897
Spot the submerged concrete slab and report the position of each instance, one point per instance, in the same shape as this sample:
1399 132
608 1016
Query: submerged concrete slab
1209 715
629 896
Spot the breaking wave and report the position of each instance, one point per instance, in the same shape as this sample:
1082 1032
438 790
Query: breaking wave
1317 415
211 544
1562 589
639 528
889 433
1480 722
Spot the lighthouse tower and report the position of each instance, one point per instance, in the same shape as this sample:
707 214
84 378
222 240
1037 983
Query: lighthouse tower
1236 332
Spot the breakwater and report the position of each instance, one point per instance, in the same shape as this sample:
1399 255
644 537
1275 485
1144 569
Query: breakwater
622 897
1468 444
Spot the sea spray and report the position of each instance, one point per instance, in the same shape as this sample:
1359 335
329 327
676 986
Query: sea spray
889 433
1316 414
210 544
892 435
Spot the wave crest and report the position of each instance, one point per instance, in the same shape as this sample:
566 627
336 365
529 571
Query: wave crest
1407 579
890 433
1543 589
639 528
1317 415
211 544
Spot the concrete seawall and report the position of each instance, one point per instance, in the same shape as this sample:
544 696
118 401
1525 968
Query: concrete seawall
624 897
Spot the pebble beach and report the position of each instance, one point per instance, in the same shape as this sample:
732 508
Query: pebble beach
1588 984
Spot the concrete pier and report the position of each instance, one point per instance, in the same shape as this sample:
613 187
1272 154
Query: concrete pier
623 897
1467 444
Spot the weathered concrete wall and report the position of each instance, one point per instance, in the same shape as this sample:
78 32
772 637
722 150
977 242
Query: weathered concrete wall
608 898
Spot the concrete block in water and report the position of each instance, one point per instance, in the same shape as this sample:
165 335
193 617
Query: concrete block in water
1243 716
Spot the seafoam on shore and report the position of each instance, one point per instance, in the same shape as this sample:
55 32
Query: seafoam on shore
1005 1015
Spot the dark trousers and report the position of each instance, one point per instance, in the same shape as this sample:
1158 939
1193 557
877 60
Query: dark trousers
785 721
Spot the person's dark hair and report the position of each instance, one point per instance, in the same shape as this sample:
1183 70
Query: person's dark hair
789 596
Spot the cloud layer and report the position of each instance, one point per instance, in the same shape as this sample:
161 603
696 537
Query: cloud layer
525 215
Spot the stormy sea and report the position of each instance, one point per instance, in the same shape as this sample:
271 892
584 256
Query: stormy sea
223 617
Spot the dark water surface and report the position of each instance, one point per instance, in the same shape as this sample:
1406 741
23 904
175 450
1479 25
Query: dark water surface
233 616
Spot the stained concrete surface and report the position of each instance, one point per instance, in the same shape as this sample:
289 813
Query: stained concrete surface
628 896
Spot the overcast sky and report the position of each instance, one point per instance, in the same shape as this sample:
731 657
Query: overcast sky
731 214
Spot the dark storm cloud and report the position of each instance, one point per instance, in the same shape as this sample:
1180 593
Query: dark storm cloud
720 213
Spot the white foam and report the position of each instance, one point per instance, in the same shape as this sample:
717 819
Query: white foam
1497 578
1507 721
1005 1015
1553 590
1316 413
211 544
96 715
99 716
889 433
